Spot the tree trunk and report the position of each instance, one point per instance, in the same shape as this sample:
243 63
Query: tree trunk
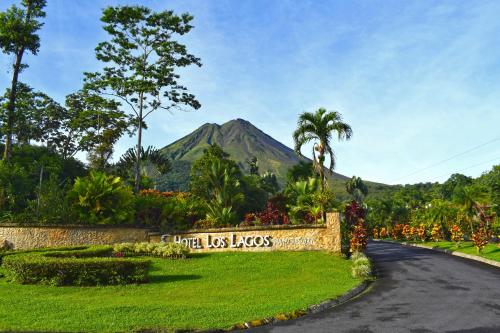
139 145
7 154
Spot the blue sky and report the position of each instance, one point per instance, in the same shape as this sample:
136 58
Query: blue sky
418 81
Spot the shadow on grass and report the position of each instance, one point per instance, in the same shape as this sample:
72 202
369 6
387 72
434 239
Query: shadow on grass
172 278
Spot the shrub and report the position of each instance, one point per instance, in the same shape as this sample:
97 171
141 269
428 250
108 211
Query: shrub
436 233
205 224
406 232
456 234
480 238
375 233
79 268
397 231
102 199
163 250
272 215
168 210
359 238
361 266
383 232
171 250
421 232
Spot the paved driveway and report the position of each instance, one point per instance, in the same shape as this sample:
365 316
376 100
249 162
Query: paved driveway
419 291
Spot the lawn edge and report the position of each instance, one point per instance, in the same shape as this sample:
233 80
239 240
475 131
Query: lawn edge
450 252
312 309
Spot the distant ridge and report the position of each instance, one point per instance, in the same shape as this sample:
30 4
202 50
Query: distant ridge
242 140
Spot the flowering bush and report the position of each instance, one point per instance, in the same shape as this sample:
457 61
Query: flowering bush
480 238
406 231
413 233
375 233
397 231
456 234
359 238
422 232
271 215
383 233
436 233
354 212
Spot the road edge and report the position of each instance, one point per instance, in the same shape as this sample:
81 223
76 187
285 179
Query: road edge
450 252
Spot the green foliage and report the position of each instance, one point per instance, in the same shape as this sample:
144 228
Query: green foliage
357 189
15 188
361 266
51 205
141 60
162 250
101 199
81 268
154 163
18 34
301 171
171 211
318 127
306 201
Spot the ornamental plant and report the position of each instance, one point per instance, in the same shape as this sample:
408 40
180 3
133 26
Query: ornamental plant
375 233
480 238
413 233
359 237
101 199
383 232
456 234
422 232
436 233
272 215
406 232
397 231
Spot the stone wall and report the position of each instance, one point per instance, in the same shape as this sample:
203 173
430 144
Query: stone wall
30 237
271 238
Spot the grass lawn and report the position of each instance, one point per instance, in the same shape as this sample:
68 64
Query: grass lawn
490 251
207 291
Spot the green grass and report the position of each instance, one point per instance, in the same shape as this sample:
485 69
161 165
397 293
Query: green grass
207 291
490 251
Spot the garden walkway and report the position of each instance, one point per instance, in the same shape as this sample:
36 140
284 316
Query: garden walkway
418 291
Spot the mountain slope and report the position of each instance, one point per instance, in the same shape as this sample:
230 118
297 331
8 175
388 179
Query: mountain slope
241 140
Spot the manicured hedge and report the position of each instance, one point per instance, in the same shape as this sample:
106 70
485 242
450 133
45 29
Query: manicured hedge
80 268
161 250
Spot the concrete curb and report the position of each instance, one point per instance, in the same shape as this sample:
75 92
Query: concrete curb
451 252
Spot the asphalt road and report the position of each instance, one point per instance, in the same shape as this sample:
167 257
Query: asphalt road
418 291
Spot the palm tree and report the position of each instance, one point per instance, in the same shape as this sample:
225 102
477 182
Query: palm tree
357 188
319 128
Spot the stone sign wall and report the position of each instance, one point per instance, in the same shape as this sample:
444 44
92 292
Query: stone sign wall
30 237
271 238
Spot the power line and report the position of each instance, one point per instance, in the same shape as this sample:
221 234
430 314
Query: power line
470 167
447 159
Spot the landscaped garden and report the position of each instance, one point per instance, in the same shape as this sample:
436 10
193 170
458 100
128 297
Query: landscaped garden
203 291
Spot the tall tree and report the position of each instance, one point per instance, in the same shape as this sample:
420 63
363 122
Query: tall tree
141 60
357 188
319 128
37 118
88 123
18 34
